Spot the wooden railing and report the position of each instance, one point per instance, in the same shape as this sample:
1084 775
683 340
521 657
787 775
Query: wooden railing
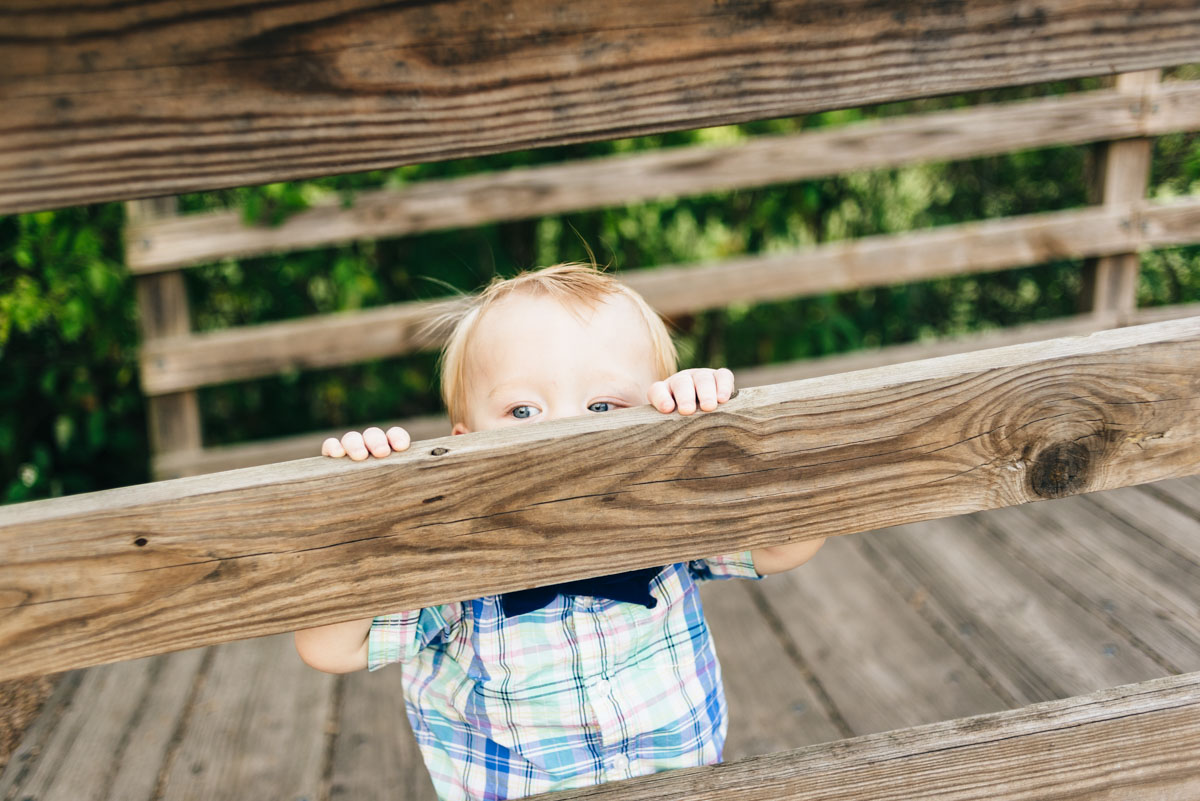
128 100
1057 749
245 553
121 101
175 363
188 362
433 205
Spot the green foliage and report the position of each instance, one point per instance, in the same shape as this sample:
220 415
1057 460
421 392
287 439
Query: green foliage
71 414
73 418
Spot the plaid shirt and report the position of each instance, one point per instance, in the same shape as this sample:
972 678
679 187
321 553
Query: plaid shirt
581 692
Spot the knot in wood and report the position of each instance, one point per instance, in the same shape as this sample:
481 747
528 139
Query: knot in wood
1060 470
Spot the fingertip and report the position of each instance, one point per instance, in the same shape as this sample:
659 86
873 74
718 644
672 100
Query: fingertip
398 438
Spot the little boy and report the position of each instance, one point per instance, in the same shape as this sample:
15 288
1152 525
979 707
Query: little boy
579 683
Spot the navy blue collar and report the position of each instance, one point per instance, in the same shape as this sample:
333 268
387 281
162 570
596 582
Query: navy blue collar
632 587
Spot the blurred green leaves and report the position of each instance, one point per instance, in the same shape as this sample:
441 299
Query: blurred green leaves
71 414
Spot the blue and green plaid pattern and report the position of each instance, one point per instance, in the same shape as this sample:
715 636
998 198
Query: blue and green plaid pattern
580 692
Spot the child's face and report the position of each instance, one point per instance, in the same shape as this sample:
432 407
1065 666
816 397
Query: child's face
531 359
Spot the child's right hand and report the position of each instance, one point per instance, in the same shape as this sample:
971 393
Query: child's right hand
370 442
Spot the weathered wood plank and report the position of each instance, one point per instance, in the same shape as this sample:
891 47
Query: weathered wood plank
1032 641
772 706
1184 495
135 571
24 759
1113 571
1123 744
1175 527
251 454
192 239
257 730
375 756
1110 282
173 419
214 357
113 741
113 101
881 664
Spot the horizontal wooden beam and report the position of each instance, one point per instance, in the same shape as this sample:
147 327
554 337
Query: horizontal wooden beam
534 191
1129 743
188 362
115 100
135 571
324 340
251 454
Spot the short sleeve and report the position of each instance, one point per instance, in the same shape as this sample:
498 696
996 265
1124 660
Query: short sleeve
734 565
398 637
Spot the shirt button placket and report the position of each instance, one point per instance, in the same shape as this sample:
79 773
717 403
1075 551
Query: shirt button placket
618 767
598 690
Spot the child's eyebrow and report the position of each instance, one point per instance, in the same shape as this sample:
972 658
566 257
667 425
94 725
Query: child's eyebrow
505 387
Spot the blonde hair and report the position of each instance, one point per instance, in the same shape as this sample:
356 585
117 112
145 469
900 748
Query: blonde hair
571 284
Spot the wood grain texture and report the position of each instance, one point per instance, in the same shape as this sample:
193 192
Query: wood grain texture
1117 572
174 418
24 759
1185 498
1110 282
257 730
1168 515
182 241
773 705
1122 744
187 362
251 454
882 665
375 755
134 571
1030 640
114 100
111 743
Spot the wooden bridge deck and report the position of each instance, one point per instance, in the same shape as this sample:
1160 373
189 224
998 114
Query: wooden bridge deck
920 623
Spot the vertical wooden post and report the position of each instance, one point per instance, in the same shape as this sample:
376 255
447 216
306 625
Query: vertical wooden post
174 420
1123 172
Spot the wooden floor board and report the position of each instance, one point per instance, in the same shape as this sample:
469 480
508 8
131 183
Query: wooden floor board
375 756
257 729
1114 571
1171 523
111 743
1030 638
883 665
28 753
1176 494
772 705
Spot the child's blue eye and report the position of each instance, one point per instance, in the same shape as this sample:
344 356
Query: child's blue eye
607 406
522 412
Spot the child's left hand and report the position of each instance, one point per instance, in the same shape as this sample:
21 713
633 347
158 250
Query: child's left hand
686 389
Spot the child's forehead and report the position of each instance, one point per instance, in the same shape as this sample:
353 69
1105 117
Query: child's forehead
611 330
524 313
